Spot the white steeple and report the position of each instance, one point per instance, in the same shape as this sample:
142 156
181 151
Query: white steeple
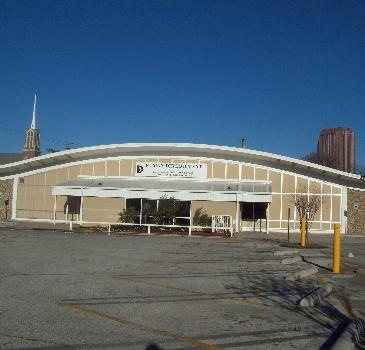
32 138
33 119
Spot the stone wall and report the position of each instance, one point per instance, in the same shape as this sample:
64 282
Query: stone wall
6 193
356 216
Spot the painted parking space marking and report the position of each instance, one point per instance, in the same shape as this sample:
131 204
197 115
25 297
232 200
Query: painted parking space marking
155 331
165 264
188 290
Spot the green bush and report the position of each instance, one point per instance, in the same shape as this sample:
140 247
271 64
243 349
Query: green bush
129 215
201 218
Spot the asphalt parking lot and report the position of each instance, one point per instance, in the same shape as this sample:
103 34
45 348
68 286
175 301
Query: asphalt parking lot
66 291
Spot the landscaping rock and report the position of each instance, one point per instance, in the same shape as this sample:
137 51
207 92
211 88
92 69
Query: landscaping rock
316 296
285 252
292 260
301 274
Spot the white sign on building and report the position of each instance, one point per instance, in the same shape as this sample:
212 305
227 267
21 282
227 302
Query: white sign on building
171 169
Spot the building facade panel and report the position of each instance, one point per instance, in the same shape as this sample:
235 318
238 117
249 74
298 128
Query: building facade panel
275 207
61 207
74 171
336 210
288 183
99 169
326 189
356 211
6 198
113 168
50 177
40 179
125 167
336 190
287 203
315 225
102 209
233 171
62 174
209 168
21 196
87 169
302 185
214 208
315 187
275 177
326 208
261 173
219 170
248 172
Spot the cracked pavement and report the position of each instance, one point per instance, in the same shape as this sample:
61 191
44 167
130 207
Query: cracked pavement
61 291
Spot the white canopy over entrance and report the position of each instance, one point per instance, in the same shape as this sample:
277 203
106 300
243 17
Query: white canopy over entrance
154 188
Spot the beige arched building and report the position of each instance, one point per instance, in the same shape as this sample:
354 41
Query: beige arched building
92 185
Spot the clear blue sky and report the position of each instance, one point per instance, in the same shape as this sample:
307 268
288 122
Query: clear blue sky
275 72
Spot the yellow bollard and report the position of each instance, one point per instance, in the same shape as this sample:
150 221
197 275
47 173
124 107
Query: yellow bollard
302 237
336 249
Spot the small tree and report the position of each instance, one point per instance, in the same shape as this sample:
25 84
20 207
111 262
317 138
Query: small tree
167 209
307 207
312 157
147 211
360 170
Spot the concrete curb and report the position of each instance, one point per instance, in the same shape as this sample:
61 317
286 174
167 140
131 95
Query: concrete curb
285 252
360 271
291 260
313 253
316 296
301 274
350 336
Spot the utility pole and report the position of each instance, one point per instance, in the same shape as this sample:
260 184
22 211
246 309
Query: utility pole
243 140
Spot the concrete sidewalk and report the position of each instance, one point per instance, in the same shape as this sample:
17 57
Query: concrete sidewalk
31 225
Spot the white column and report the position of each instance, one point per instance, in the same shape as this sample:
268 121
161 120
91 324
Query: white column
191 219
54 209
15 197
237 216
267 218
343 209
81 209
253 217
66 216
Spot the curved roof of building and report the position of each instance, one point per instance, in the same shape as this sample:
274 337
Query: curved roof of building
184 149
6 158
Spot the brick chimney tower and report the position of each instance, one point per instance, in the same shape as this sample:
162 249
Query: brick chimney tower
32 138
